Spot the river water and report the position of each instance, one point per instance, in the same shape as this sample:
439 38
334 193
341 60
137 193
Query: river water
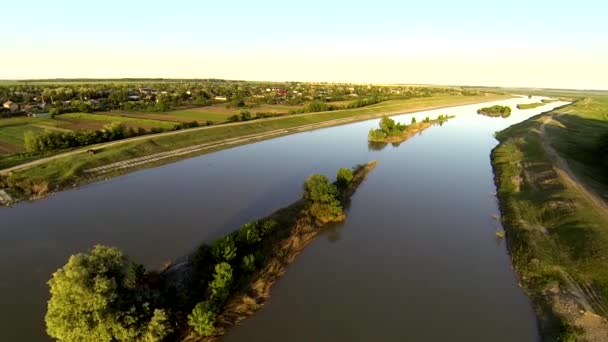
416 260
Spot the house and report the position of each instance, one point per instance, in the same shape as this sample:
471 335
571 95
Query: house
10 105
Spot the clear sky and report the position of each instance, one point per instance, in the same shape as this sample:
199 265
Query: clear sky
507 43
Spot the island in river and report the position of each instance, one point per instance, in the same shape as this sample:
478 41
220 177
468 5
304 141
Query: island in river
394 132
495 111
103 296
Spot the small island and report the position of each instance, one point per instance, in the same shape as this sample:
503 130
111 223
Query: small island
530 105
495 111
394 132
103 296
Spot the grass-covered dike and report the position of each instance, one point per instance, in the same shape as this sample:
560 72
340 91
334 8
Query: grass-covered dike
103 296
557 236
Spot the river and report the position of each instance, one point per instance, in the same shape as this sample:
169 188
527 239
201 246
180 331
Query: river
417 258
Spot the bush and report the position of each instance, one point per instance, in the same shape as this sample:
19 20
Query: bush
202 319
268 227
245 115
220 285
224 249
322 197
345 176
249 234
317 106
248 263
318 189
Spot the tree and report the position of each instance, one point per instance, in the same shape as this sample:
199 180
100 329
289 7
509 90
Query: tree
324 205
345 176
31 142
202 318
317 188
92 301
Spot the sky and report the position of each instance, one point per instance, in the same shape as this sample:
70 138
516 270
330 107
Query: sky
533 43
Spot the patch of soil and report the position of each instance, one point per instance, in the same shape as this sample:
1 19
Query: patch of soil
10 148
81 125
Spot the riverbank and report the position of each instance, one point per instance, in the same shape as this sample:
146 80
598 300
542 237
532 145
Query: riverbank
550 185
67 170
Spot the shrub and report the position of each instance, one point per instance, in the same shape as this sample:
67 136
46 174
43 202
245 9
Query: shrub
322 197
220 285
245 115
376 135
202 319
248 263
224 249
317 106
249 234
268 227
318 189
345 176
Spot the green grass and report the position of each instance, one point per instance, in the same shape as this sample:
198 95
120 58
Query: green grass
14 134
199 115
530 105
121 119
552 228
12 130
23 120
68 170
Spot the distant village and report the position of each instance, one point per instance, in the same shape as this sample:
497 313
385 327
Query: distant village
41 99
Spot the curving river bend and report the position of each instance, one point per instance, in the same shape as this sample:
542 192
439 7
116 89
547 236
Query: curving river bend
417 258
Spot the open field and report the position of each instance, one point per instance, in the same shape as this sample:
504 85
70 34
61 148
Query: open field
552 190
217 113
106 119
67 168
12 131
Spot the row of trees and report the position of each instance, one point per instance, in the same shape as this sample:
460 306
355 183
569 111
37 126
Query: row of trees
51 141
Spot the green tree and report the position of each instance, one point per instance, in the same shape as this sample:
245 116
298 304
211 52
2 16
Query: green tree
220 285
202 319
345 176
317 188
224 249
90 301
31 142
324 205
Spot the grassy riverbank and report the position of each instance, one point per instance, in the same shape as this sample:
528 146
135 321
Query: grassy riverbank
102 293
552 187
67 170
523 106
